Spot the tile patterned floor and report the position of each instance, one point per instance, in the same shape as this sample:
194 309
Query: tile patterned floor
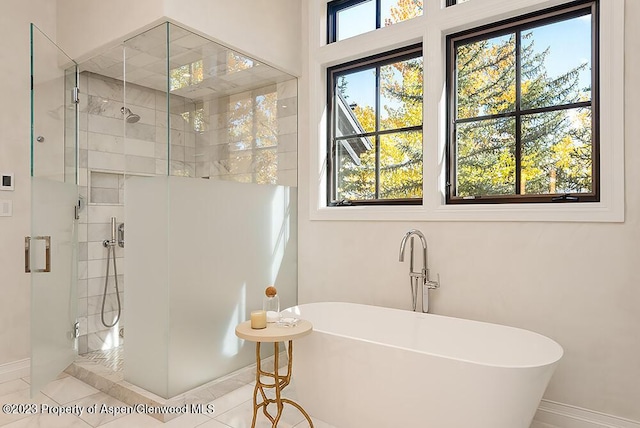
233 408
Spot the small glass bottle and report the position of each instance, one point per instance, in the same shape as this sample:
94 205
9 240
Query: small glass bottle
271 304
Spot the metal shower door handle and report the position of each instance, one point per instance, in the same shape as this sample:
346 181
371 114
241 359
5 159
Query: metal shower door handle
47 253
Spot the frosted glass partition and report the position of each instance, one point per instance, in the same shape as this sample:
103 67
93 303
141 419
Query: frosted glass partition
53 303
226 242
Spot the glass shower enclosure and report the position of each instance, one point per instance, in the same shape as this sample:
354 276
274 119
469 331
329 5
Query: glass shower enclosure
193 146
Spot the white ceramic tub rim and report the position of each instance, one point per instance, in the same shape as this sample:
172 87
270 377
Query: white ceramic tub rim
552 350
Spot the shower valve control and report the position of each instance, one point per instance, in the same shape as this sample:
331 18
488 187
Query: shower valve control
121 235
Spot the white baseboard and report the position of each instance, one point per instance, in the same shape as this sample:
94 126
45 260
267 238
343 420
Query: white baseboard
15 370
566 416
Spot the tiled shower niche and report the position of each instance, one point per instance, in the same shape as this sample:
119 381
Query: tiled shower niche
106 188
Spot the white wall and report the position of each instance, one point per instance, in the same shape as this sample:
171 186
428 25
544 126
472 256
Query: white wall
14 157
268 30
577 283
87 25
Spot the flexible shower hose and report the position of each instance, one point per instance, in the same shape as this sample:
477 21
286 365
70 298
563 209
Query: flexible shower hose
111 249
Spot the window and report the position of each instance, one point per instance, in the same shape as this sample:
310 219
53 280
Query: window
523 109
348 18
454 2
375 130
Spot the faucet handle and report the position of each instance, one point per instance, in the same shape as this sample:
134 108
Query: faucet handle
431 284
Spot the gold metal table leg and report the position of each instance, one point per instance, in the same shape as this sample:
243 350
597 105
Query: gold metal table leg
279 383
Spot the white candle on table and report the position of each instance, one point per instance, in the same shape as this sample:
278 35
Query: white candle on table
258 319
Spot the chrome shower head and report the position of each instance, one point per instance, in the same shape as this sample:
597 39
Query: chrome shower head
130 117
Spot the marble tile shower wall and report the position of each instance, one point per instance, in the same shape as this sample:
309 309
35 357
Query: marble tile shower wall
109 149
213 139
251 136
287 111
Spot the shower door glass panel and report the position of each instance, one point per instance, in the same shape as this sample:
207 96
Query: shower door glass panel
51 254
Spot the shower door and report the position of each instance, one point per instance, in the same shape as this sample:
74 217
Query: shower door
51 250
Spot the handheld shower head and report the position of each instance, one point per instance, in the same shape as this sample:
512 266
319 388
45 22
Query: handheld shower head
130 117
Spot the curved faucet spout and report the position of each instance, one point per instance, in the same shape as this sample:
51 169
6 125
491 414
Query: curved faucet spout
423 240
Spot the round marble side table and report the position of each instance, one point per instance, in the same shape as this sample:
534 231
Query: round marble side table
274 334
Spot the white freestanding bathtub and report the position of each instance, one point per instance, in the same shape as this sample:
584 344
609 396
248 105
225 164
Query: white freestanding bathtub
368 366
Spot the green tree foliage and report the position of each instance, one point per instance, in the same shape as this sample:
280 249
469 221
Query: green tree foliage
405 9
400 153
556 145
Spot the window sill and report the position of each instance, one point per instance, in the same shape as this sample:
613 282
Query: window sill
544 212
374 213
566 212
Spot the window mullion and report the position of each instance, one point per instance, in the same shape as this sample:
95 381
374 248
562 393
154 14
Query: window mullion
378 14
518 142
333 166
254 133
382 132
377 130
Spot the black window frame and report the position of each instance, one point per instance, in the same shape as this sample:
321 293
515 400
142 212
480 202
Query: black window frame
334 7
517 25
377 61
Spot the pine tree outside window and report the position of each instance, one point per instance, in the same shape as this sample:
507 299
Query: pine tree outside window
375 130
523 109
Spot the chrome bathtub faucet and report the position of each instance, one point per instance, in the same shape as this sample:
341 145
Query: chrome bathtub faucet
422 277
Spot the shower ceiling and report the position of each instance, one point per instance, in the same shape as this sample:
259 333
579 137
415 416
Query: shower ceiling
199 69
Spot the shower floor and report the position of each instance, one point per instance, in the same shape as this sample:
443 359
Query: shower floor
104 371
112 358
